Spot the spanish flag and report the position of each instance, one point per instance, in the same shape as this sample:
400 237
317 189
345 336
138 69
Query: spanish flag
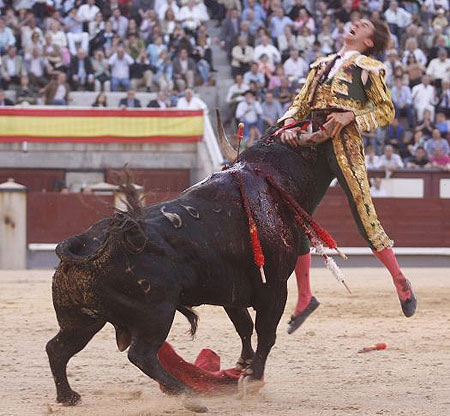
100 125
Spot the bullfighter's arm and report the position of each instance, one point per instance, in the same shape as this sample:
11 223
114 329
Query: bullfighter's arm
300 108
380 111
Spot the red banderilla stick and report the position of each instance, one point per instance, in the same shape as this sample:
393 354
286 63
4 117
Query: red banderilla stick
376 347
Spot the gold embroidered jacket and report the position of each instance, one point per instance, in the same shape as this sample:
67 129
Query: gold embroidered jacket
357 86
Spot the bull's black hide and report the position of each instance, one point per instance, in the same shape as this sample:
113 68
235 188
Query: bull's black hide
136 269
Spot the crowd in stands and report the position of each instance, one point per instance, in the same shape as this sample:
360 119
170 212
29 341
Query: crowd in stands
52 47
271 44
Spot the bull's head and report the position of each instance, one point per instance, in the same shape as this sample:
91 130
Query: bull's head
228 151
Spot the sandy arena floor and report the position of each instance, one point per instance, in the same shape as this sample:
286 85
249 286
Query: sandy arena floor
316 371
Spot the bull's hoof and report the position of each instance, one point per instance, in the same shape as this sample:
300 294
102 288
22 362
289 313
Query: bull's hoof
194 404
70 398
297 321
247 385
409 305
242 364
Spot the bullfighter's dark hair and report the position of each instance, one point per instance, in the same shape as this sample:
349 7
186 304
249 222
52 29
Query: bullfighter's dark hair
381 37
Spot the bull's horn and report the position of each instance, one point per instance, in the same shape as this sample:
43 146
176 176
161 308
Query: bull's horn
225 146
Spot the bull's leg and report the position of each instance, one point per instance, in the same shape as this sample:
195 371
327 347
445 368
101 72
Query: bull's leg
268 315
61 349
243 323
149 334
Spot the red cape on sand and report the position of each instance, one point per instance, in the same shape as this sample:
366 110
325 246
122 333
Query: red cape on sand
204 376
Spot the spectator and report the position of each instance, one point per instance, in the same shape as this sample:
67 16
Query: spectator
424 97
12 68
164 76
266 48
26 93
81 72
439 68
230 30
397 18
184 69
169 5
254 7
286 42
120 63
242 56
57 90
412 49
427 124
57 36
391 64
102 75
376 190
161 101
87 13
119 23
203 57
278 23
440 159
284 93
141 73
254 75
305 40
295 67
130 101
249 112
192 15
27 31
444 98
4 101
266 67
304 20
35 66
372 160
154 50
235 94
390 161
442 124
418 140
191 102
419 160
437 141
7 38
271 110
100 100
402 99
75 33
395 134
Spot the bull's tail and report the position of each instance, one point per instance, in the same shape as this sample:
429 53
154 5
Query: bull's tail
191 316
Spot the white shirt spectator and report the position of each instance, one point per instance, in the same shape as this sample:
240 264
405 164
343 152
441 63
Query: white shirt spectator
236 92
194 104
120 68
393 162
424 98
249 113
58 38
399 17
372 161
438 69
269 50
295 69
192 17
86 12
433 5
418 53
166 6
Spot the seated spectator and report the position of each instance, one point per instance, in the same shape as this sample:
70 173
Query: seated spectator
96 28
439 68
295 67
376 189
161 101
247 33
256 9
412 49
391 64
284 93
141 73
102 75
372 160
148 24
154 50
402 99
192 15
130 101
266 48
35 43
58 37
325 38
271 110
57 90
390 161
254 75
4 101
312 54
135 46
249 112
75 33
444 98
120 63
230 30
119 23
424 98
266 67
440 159
26 93
101 100
184 70
27 31
397 18
304 20
395 134
7 38
278 23
132 29
275 80
437 141
164 75
169 23
12 68
191 102
419 160
81 71
165 7
87 13
36 67
442 124
306 39
286 42
415 71
242 56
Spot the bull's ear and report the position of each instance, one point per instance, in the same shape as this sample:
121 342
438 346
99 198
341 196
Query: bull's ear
228 151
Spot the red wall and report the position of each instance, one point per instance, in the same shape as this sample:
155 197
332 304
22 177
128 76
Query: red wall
34 179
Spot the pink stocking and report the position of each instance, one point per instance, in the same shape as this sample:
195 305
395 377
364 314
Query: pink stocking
304 289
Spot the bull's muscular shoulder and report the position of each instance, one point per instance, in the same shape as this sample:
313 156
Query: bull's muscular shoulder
321 60
370 64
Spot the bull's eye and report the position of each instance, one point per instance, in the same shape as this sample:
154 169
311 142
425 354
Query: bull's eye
174 218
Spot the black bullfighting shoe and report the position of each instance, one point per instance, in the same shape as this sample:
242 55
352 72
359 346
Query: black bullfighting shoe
409 305
297 321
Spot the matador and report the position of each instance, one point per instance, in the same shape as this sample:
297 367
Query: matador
344 95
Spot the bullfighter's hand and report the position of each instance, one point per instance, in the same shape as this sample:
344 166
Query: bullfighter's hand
337 121
289 136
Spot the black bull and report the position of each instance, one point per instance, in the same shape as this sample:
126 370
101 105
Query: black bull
136 269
